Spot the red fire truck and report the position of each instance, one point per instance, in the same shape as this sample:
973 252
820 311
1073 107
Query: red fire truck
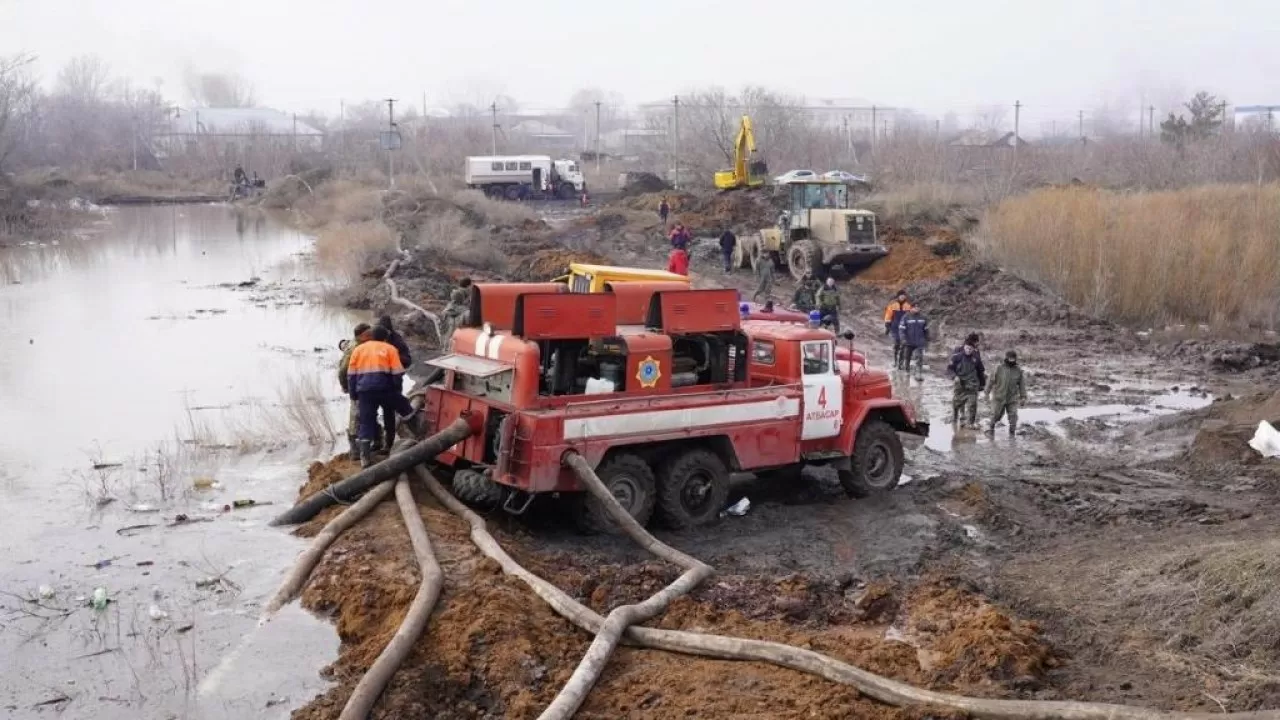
664 391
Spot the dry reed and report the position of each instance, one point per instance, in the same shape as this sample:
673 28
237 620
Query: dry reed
1207 255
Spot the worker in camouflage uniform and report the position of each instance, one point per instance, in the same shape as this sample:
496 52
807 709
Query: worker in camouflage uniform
764 280
829 303
456 312
361 333
1006 392
970 377
806 296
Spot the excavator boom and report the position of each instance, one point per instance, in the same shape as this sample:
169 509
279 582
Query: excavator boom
744 173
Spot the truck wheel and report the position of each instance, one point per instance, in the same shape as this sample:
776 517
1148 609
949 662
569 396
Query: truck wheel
631 481
512 192
694 488
476 489
566 191
876 464
803 258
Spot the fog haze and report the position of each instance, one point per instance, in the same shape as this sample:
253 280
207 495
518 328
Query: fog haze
927 54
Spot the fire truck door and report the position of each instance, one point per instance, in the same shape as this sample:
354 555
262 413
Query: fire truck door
823 399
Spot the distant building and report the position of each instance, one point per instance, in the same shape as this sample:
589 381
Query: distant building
1257 117
985 139
235 126
545 135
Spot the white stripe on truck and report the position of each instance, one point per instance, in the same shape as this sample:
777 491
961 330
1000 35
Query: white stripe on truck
657 421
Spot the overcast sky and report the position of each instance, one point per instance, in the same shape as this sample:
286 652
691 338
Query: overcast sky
934 55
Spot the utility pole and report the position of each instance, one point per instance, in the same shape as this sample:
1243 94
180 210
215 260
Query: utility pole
493 108
1151 120
597 138
873 128
295 132
1082 139
1222 110
135 141
1017 120
424 107
676 178
391 129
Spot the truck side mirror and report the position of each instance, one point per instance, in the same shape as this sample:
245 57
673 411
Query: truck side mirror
847 335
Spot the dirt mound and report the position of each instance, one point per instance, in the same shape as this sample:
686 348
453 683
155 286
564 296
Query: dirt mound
911 260
986 296
966 642
641 183
550 263
1222 431
710 213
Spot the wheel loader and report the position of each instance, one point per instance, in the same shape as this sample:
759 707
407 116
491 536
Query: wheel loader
816 233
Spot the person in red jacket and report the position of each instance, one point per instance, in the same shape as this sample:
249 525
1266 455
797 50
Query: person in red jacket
678 262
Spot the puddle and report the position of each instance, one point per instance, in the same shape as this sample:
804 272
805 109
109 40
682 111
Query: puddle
133 364
943 437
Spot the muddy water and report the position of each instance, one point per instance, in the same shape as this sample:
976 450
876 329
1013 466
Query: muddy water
168 363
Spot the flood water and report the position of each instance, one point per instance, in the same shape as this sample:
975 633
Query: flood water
166 364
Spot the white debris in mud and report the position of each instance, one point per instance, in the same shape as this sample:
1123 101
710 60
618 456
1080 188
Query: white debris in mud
1266 440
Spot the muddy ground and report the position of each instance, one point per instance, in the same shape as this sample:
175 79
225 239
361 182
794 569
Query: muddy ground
1118 549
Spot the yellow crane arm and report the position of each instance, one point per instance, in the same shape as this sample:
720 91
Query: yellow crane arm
743 145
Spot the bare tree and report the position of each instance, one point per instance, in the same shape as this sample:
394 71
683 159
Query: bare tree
219 90
991 118
17 99
84 79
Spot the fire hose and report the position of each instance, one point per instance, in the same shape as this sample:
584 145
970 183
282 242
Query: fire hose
397 464
618 625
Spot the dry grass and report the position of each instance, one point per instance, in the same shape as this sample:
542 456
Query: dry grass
349 249
447 235
1206 255
301 412
1219 601
926 202
494 212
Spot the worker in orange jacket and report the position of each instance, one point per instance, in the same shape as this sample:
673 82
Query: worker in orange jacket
893 314
374 376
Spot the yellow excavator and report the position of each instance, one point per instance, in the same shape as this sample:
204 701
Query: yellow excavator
745 172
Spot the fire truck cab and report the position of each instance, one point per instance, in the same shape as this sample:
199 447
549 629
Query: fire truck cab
665 404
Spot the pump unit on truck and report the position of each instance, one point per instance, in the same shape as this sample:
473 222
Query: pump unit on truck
663 410
517 177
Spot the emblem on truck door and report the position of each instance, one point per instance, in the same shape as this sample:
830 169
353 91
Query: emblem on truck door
648 372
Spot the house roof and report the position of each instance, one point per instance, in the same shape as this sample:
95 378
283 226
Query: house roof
235 121
537 128
984 138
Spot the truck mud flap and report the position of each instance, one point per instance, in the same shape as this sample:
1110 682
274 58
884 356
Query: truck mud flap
921 428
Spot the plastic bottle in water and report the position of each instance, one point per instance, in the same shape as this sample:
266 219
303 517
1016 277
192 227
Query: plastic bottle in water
99 601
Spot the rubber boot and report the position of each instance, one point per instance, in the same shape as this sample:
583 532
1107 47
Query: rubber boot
1013 429
353 446
366 453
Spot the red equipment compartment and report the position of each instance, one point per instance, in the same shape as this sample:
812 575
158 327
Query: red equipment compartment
634 298
694 311
495 303
545 316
